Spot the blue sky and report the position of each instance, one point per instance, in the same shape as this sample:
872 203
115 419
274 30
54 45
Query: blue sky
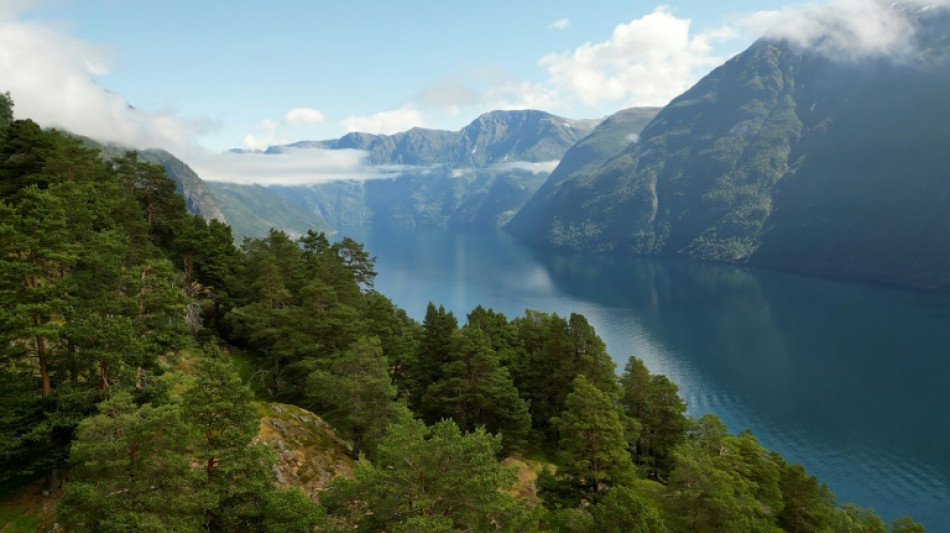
203 76
232 66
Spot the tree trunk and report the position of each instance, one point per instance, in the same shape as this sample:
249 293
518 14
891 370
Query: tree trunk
52 482
103 376
44 367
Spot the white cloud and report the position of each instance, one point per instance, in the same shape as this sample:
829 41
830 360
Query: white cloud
448 93
271 132
652 59
847 29
268 134
51 77
523 95
385 122
647 61
560 24
304 115
293 166
540 167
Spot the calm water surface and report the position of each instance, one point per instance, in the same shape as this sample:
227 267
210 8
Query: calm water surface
850 381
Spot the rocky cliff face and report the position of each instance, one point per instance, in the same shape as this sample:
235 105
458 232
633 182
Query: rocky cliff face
198 196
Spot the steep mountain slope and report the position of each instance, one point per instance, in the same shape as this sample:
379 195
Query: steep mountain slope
197 195
615 133
785 158
477 176
252 211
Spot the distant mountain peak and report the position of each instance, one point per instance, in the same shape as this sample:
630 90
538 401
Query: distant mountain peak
526 135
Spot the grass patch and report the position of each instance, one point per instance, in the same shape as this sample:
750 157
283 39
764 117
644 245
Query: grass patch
25 509
19 519
247 367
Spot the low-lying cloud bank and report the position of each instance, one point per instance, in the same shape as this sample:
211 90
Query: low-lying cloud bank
293 166
311 166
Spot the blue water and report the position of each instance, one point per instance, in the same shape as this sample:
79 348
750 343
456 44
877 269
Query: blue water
848 380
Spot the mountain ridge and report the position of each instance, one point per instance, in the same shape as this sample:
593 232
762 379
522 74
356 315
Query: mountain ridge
478 176
496 136
782 158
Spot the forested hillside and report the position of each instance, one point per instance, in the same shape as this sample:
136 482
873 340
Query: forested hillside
123 319
197 195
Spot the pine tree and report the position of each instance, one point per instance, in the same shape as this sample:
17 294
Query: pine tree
807 505
235 473
475 390
654 402
355 394
131 472
436 479
556 352
434 351
724 483
623 511
593 447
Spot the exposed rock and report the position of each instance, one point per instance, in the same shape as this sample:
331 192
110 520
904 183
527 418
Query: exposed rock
309 454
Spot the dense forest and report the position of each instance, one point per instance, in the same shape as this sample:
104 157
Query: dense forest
124 317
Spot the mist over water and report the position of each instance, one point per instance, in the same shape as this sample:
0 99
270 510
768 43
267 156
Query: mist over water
848 380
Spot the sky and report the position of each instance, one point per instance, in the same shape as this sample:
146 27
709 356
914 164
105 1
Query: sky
201 77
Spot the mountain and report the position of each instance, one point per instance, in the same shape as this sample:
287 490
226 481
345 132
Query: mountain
434 196
495 137
197 195
783 157
611 136
252 211
478 176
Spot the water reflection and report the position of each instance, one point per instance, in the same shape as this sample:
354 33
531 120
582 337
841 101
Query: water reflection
846 379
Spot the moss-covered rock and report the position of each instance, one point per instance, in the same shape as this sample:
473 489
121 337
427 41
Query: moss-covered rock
309 453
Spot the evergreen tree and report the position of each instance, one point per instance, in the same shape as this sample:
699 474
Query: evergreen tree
436 479
501 334
849 518
398 334
23 154
355 394
905 524
593 447
623 511
434 350
807 505
654 402
236 475
131 472
6 113
724 483
475 390
356 262
556 352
